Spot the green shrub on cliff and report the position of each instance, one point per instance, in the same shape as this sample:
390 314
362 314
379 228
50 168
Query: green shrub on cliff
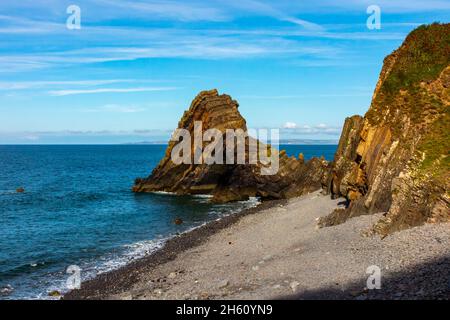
426 52
409 97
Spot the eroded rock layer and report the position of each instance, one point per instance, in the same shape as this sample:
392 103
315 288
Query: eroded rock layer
230 182
396 159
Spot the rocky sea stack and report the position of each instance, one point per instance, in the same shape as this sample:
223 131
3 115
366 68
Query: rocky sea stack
230 182
393 160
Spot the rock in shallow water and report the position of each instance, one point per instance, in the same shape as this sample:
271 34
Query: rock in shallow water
7 290
54 293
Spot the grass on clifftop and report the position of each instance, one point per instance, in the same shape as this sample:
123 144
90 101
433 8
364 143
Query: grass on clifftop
423 55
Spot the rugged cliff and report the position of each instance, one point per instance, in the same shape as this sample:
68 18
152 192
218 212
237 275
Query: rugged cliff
230 182
396 159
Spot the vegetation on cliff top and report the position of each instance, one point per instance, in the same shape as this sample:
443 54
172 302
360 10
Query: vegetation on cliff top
422 57
412 101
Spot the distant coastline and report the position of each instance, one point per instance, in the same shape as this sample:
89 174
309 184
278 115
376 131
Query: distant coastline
282 142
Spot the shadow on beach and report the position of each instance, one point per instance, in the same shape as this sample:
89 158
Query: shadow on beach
424 281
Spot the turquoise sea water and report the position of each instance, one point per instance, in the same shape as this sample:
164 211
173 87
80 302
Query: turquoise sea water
77 209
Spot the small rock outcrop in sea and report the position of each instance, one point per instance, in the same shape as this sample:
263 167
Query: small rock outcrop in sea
54 293
396 159
7 290
230 182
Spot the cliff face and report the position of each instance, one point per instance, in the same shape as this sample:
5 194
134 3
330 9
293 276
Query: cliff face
230 182
395 159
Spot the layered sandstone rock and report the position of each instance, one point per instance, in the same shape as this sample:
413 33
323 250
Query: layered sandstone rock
395 159
230 182
214 111
341 179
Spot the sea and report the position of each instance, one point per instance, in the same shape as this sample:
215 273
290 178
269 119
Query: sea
77 209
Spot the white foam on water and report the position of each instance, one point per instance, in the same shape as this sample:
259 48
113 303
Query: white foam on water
208 196
8 192
164 193
107 263
131 252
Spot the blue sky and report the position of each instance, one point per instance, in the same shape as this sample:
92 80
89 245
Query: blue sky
134 66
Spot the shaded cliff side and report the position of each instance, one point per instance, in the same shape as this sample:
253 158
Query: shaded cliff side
230 182
396 159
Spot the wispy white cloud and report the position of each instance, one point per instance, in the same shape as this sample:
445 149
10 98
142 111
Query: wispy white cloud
23 25
19 63
116 108
269 8
181 45
351 6
168 9
395 6
105 42
334 32
290 125
60 93
31 137
23 85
